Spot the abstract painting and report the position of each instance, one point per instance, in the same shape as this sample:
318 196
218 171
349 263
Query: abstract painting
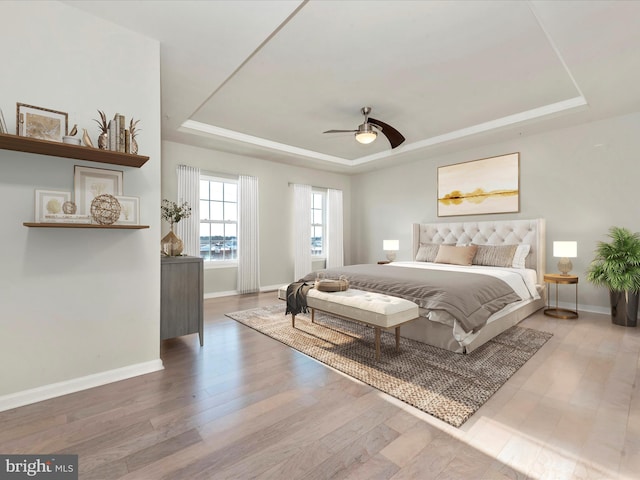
489 185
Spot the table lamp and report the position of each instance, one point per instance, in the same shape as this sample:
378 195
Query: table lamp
391 247
565 250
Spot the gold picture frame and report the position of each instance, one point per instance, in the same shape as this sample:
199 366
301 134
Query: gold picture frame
41 123
479 187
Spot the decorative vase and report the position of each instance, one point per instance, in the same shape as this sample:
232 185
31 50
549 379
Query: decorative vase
102 141
171 244
134 146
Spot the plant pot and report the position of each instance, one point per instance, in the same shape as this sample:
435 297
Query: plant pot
103 141
624 308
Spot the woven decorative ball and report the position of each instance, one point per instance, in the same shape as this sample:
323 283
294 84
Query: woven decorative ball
69 207
105 209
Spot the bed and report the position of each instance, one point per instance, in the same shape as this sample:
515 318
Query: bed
443 323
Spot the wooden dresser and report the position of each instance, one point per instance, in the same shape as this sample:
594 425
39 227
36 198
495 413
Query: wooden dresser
181 295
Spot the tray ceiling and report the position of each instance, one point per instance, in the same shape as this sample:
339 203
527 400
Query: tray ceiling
267 78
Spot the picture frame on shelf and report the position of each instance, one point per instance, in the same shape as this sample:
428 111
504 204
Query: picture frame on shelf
129 210
49 202
41 123
89 182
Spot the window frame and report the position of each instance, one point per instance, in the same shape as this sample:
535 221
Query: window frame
323 225
226 263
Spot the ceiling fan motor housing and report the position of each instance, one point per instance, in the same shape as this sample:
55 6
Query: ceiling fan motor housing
366 133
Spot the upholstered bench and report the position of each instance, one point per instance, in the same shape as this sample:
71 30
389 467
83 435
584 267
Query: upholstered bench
373 309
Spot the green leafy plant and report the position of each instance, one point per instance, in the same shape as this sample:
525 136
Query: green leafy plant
617 263
173 213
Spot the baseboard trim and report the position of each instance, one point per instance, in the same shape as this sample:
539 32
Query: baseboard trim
231 293
221 294
271 288
38 394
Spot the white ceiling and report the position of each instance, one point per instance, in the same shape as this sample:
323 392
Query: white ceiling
266 78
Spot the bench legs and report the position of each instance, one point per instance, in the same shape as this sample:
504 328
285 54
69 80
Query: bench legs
313 318
376 329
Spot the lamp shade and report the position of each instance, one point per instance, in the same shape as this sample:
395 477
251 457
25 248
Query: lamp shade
390 245
366 137
565 249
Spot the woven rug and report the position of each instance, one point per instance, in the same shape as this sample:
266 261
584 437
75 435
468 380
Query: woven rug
446 385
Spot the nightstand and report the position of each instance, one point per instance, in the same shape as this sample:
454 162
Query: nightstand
559 279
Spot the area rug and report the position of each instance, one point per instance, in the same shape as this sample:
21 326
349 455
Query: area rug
446 385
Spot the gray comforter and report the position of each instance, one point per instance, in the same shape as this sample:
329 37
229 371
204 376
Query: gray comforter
470 298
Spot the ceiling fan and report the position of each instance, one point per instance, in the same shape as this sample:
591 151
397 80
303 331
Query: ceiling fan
368 131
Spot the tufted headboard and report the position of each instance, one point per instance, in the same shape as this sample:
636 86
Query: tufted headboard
496 232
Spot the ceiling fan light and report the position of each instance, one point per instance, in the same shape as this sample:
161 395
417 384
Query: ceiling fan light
366 137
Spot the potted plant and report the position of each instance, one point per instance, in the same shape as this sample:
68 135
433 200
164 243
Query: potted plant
617 267
172 212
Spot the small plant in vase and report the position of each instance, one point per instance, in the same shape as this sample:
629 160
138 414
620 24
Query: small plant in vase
133 131
172 212
103 138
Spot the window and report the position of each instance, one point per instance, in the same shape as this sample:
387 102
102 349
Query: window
318 220
218 219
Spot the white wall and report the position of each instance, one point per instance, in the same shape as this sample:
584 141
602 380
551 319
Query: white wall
276 207
76 304
582 180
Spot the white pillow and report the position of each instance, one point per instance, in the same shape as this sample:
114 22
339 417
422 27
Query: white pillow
520 256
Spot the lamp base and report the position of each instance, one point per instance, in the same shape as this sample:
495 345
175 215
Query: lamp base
391 256
565 266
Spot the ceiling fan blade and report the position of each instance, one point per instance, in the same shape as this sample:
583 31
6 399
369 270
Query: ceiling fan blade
394 136
340 131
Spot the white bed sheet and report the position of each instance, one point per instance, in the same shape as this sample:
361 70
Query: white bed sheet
522 281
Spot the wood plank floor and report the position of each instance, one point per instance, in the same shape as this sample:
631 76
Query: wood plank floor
245 406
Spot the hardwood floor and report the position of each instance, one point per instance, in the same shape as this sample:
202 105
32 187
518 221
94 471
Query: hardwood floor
245 406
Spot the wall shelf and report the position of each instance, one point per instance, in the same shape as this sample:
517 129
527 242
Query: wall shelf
65 150
83 225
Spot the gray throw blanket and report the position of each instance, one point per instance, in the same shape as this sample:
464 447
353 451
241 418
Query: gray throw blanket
471 298
297 298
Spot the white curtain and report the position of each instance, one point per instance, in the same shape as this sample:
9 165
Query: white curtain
188 229
248 245
301 230
335 253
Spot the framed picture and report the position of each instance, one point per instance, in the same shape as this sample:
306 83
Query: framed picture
41 123
89 182
129 210
49 202
489 185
